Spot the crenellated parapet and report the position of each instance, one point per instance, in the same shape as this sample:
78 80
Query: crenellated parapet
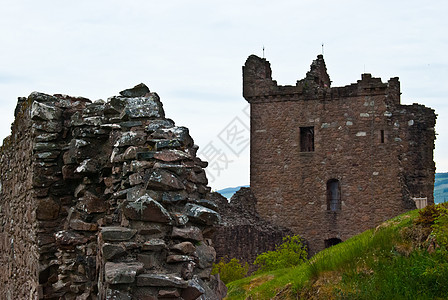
258 85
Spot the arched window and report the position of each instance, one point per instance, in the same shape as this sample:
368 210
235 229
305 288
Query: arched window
333 195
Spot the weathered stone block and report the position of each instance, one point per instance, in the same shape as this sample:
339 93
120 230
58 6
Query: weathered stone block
206 256
47 137
146 209
48 156
45 112
111 251
176 258
116 273
153 229
136 178
93 204
69 238
169 294
117 295
130 124
115 234
193 291
164 180
162 144
145 155
171 155
175 168
184 247
180 134
46 146
198 177
187 233
202 214
161 280
207 203
148 107
140 90
130 153
48 126
77 224
154 245
149 260
130 138
156 124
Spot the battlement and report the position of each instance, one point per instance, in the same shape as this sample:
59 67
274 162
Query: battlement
258 85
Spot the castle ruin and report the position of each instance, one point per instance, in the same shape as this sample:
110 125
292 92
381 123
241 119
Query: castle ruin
104 200
331 162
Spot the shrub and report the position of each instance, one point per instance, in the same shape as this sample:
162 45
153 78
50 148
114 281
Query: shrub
440 227
290 253
426 215
230 271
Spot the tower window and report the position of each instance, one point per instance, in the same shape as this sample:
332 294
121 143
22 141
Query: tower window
333 195
382 136
306 139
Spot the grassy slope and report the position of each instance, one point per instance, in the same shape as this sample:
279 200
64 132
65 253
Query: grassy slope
389 262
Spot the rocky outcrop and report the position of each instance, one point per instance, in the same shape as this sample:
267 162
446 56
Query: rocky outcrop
108 201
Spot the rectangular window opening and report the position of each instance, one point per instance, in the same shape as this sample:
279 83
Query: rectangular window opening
382 136
306 139
333 195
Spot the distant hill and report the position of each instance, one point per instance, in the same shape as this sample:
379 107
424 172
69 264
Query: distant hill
441 188
228 192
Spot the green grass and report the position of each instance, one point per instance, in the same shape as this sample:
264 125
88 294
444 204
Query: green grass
419 276
381 263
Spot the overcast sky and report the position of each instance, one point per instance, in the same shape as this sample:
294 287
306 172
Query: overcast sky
191 53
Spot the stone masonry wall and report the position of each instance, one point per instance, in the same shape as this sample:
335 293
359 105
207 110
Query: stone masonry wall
243 234
113 199
379 151
18 231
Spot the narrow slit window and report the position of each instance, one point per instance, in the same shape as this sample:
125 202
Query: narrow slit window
306 139
382 136
333 195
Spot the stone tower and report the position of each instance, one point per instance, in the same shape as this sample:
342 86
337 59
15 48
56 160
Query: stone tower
331 162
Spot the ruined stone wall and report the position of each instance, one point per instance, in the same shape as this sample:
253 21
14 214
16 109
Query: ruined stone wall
119 200
380 152
18 232
243 234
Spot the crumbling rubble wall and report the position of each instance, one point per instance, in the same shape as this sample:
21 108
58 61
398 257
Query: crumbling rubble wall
107 199
243 234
